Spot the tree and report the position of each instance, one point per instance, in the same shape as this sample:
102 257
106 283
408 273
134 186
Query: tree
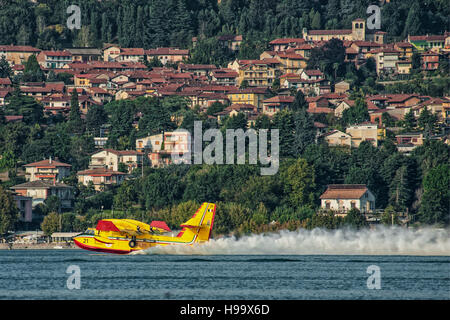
51 223
299 180
357 114
75 123
32 71
427 121
31 110
9 214
5 69
299 101
305 132
389 216
330 58
215 108
284 121
409 121
238 121
95 118
435 204
355 219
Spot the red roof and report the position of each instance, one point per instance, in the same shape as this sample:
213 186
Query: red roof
344 191
132 51
99 172
12 48
59 53
330 32
49 163
280 99
287 41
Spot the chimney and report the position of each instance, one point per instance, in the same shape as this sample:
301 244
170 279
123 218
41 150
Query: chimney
50 160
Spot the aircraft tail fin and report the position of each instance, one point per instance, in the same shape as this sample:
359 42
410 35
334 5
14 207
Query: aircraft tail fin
199 227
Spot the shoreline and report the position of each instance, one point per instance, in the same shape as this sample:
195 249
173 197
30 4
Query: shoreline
36 246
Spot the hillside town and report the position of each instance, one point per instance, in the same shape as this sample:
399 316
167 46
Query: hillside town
285 75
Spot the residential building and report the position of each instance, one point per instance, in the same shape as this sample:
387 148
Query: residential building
341 198
249 110
407 142
342 87
167 55
359 32
111 52
276 104
404 66
25 206
48 170
283 44
164 150
40 190
386 60
250 96
17 55
84 55
225 77
110 159
132 54
341 107
256 73
232 42
338 138
100 177
200 70
430 60
363 132
405 50
291 62
54 59
428 42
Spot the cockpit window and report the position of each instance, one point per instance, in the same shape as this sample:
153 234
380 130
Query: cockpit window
89 231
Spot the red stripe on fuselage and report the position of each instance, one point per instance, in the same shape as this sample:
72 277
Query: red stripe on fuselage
97 249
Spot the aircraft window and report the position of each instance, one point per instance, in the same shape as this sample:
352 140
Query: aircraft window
88 231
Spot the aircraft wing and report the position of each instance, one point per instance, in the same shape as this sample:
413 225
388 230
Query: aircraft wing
132 227
129 226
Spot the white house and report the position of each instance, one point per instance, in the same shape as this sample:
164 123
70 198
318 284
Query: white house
344 197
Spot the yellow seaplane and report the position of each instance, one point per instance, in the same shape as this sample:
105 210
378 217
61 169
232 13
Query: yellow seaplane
127 235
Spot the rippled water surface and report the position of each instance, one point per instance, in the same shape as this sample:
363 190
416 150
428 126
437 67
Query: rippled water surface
41 274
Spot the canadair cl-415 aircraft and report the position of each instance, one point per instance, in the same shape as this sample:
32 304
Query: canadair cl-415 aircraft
126 235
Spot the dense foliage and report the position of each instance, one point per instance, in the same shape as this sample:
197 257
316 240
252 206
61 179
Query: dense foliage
157 23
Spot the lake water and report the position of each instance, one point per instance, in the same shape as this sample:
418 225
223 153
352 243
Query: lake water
41 274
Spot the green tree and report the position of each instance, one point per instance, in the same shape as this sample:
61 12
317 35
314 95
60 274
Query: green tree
305 132
51 223
409 121
435 204
5 69
9 214
299 101
355 219
75 123
95 118
427 121
389 216
299 183
32 71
